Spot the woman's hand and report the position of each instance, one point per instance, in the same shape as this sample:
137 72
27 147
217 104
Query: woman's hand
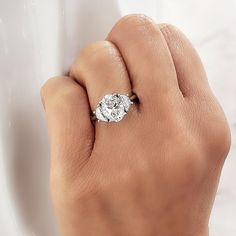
156 171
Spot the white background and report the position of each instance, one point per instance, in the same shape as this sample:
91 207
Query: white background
40 39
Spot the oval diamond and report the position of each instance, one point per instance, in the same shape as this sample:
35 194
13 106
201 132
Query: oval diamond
113 107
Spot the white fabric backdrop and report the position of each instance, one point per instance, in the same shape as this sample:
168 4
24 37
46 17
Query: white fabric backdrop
39 39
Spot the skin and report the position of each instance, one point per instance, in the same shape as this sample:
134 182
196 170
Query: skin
154 173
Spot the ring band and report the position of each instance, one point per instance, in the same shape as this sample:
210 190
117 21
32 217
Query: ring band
113 107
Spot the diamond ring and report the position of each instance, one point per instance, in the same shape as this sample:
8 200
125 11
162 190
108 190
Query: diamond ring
113 107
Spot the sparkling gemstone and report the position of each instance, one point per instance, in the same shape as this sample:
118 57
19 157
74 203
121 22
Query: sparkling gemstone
113 107
99 115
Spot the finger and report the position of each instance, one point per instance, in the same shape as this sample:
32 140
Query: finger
70 129
147 58
101 70
191 81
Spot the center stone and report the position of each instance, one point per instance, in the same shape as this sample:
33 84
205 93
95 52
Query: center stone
113 107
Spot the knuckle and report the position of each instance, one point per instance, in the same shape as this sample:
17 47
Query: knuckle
44 91
95 47
59 91
168 27
216 135
221 138
51 86
132 22
135 20
171 33
96 50
94 53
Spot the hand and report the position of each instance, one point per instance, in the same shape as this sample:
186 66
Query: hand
155 172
